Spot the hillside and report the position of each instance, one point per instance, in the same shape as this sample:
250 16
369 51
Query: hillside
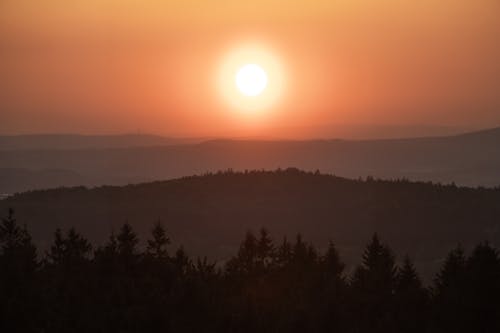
210 214
472 159
78 141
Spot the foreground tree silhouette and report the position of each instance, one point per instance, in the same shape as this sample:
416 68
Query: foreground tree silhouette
333 286
449 284
245 261
373 285
284 253
265 251
157 246
67 278
411 300
467 291
182 261
19 289
121 297
289 288
482 289
127 242
299 283
69 252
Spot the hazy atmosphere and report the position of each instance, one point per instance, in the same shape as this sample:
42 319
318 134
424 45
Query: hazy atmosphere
101 67
300 166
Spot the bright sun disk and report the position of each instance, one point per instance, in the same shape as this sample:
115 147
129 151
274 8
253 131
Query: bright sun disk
251 80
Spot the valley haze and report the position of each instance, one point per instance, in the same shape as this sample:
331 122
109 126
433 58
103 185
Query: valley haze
48 161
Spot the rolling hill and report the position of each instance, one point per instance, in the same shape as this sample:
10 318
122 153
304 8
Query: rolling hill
209 214
78 141
471 159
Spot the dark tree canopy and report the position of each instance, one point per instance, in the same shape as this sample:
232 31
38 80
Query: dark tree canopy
265 287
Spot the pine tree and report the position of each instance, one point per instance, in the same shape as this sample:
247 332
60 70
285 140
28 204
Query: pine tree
411 299
157 246
265 250
284 253
482 289
373 284
245 261
56 253
332 289
483 266
452 272
106 257
449 298
18 252
127 241
408 279
378 270
204 269
331 263
182 261
68 271
78 248
70 251
19 292
300 251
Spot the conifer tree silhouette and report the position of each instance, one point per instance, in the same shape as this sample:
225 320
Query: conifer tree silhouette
333 287
411 299
265 250
19 292
127 241
453 271
70 251
331 263
449 300
374 284
56 253
68 272
157 246
482 289
245 261
289 288
284 253
182 261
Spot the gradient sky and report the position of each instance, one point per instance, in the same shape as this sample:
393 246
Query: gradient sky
102 66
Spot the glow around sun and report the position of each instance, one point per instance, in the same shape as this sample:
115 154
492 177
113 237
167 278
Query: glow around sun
251 78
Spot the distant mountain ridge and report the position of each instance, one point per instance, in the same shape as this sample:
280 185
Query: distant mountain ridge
80 141
471 159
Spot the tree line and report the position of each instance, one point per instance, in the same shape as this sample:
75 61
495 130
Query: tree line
267 286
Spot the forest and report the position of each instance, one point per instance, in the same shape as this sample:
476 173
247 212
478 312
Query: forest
268 285
209 213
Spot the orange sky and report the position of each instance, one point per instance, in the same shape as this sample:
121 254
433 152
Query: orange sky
102 66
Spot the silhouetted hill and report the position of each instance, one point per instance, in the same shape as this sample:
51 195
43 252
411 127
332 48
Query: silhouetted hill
209 214
76 141
481 137
11 178
472 159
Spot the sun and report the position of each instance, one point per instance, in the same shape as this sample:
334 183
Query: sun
251 80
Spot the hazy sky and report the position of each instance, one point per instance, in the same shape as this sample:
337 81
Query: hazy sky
102 66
